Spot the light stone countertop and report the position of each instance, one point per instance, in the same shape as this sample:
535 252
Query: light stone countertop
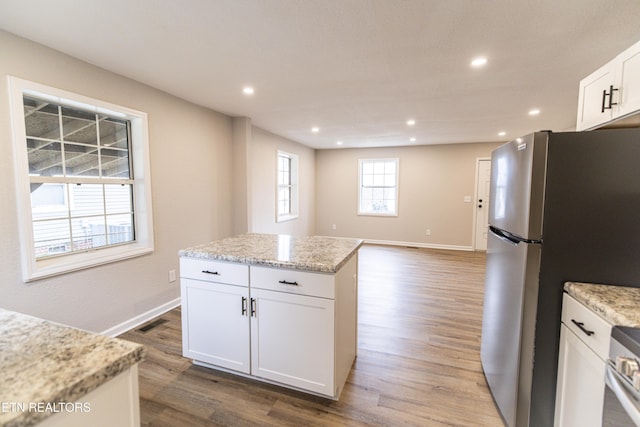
617 304
314 253
45 362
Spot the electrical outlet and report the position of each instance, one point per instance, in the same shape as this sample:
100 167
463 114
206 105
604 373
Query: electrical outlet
172 276
427 232
334 226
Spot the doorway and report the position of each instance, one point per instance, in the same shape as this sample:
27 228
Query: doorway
481 209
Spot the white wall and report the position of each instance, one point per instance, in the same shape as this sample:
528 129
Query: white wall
264 147
191 156
432 184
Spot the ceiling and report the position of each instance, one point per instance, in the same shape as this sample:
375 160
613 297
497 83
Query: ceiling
356 69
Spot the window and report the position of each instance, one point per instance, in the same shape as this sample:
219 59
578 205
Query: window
287 192
378 187
83 180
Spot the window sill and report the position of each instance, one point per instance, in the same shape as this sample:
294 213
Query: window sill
68 263
377 214
285 218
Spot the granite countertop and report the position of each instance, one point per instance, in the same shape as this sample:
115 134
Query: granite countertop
314 253
44 363
617 304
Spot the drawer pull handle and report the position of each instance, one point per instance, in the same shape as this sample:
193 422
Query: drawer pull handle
211 272
253 307
580 325
284 282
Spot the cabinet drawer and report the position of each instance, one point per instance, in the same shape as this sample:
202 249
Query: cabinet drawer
214 271
574 312
293 281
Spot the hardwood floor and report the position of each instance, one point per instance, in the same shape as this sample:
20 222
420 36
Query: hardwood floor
418 363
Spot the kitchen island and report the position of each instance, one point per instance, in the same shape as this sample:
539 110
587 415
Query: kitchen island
281 309
55 375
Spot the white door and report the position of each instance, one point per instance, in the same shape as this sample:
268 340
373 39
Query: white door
483 184
215 324
292 340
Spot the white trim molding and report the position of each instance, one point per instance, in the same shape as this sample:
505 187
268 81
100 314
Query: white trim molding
138 320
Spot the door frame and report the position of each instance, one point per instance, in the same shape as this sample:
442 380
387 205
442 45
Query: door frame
475 201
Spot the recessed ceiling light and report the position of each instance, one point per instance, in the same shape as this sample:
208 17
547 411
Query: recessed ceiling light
534 112
411 122
479 62
502 133
339 143
315 129
248 90
412 139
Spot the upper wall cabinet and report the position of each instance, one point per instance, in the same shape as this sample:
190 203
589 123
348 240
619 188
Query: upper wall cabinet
612 92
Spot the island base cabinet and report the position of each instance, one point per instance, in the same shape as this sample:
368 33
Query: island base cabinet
215 324
292 340
289 327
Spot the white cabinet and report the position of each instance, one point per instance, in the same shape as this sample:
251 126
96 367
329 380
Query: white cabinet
290 327
584 348
611 92
215 324
215 316
292 340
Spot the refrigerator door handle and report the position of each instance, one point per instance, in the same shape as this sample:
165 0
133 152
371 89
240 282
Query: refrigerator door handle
505 236
511 238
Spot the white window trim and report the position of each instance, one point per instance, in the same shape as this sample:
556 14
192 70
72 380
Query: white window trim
33 269
368 213
294 187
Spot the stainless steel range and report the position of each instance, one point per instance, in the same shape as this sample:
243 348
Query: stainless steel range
622 394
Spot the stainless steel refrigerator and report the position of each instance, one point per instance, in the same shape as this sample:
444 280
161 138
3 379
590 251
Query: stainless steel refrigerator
564 207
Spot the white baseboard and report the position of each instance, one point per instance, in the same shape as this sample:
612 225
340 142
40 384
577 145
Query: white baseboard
419 245
141 318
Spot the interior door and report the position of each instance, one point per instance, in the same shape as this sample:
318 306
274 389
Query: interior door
483 184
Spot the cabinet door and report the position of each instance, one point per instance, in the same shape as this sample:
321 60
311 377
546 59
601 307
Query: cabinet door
292 340
629 71
580 387
215 324
591 98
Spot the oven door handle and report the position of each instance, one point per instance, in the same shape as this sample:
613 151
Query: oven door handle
623 396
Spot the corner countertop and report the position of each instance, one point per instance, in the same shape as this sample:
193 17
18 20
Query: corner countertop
617 304
44 363
313 253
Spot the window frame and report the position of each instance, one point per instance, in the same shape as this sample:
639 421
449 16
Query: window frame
396 187
143 243
292 187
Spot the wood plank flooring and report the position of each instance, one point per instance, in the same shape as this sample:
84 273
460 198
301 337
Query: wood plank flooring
418 364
